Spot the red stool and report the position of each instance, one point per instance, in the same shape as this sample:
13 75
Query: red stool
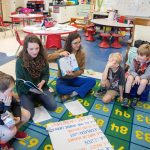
116 43
53 41
90 34
87 27
104 43
86 32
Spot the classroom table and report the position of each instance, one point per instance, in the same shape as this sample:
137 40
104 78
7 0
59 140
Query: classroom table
58 29
97 15
115 24
109 23
25 17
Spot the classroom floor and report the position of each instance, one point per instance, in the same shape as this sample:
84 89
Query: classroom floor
126 129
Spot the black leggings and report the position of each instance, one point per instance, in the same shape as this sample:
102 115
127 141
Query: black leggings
28 101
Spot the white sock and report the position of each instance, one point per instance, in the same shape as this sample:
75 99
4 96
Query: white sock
74 93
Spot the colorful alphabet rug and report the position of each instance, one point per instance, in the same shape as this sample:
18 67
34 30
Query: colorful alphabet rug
126 129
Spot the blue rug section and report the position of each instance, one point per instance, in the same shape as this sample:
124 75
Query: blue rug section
5 59
96 57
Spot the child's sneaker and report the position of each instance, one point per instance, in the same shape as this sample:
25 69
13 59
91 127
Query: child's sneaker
100 92
125 102
134 102
20 135
64 98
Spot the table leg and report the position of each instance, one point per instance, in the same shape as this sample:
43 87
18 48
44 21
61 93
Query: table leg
12 23
23 22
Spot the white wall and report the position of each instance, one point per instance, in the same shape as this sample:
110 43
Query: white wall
129 7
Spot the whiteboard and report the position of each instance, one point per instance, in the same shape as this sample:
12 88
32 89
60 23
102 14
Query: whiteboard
129 7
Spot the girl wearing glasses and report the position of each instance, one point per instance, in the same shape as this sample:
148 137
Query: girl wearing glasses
72 84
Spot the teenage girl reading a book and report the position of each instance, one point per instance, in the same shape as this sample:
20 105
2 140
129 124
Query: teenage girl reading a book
12 116
32 65
71 84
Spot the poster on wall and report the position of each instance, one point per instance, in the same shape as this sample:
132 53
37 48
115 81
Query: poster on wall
78 134
55 9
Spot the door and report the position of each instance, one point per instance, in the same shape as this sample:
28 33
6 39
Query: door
8 6
20 3
1 12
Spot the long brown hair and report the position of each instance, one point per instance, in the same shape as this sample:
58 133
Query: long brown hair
33 66
70 38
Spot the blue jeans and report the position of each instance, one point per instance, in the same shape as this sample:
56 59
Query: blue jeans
81 85
28 101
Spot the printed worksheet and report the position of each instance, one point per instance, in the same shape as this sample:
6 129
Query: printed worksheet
75 107
41 114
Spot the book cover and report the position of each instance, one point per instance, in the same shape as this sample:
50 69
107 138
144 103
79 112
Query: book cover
32 86
68 63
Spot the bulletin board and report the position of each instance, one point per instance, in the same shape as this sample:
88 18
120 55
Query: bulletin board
129 7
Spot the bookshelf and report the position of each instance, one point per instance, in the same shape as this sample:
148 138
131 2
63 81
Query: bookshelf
37 5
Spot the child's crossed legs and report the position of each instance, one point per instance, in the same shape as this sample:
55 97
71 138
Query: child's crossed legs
110 94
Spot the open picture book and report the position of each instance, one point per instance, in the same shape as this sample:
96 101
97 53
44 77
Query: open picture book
32 86
68 63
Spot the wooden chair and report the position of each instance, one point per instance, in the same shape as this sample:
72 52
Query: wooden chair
79 22
140 31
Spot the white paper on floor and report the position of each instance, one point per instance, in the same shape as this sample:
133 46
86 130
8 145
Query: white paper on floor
41 114
75 107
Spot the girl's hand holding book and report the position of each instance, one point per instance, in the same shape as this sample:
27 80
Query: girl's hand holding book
40 85
64 53
69 73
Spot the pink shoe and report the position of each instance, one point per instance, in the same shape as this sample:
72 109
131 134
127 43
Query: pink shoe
20 135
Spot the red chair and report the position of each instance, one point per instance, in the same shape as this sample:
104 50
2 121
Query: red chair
15 20
104 43
53 41
39 20
5 26
21 42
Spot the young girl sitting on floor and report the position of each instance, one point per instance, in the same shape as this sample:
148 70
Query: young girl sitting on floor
32 65
72 84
